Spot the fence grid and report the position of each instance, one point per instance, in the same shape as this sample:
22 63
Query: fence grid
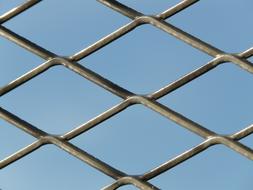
128 98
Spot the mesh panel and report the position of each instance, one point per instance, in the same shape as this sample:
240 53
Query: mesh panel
128 98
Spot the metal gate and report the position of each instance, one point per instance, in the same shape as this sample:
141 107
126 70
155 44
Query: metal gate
128 98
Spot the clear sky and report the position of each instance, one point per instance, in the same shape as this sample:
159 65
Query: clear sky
142 61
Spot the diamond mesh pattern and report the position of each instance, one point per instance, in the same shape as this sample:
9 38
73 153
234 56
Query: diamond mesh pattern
128 98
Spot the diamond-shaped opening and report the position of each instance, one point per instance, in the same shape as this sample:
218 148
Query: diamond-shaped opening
15 61
150 7
219 100
216 168
128 187
58 100
136 140
51 168
145 60
12 139
7 5
248 141
67 27
206 20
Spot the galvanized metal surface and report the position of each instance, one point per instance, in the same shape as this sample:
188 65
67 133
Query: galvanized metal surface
128 98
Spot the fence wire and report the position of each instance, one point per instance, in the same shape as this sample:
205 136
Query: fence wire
128 98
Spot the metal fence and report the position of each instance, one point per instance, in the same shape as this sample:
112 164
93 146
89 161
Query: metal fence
128 98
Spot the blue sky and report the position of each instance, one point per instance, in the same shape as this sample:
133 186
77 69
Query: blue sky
142 61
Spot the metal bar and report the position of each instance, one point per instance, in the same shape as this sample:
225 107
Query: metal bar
170 114
104 41
192 152
22 42
180 34
127 28
176 9
117 90
90 75
20 154
45 138
26 77
61 143
17 10
184 156
129 98
174 31
163 110
130 180
78 68
195 127
195 74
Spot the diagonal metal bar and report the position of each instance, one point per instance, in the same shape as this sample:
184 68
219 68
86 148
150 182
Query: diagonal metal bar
104 41
192 152
197 43
27 44
70 135
183 157
127 28
178 33
71 149
176 9
129 180
159 23
74 66
47 55
123 93
196 73
129 98
16 11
